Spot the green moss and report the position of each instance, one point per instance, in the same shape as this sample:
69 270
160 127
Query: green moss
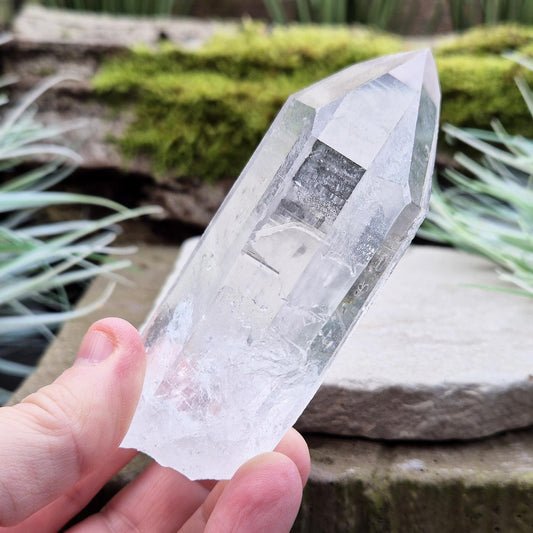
202 113
489 40
476 90
258 53
442 506
201 123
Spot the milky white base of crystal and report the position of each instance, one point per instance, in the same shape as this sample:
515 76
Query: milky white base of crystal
192 444
180 450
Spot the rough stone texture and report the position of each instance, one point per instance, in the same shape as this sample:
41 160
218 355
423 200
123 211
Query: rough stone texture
190 200
359 486
435 358
38 24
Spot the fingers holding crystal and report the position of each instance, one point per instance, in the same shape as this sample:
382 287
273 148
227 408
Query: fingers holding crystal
241 498
58 436
294 446
159 500
263 496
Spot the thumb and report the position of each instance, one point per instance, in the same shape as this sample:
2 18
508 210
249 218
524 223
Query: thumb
55 437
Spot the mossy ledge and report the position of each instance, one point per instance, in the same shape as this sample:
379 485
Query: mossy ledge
202 113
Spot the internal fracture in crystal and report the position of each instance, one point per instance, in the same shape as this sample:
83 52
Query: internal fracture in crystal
320 215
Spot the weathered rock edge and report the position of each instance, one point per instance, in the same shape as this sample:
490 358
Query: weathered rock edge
438 356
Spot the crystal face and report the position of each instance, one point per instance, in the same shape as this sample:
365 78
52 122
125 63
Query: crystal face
320 215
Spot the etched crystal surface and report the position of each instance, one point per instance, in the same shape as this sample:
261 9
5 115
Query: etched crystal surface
320 215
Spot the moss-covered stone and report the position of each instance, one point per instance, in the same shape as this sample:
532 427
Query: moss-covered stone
257 53
201 123
489 40
202 113
476 90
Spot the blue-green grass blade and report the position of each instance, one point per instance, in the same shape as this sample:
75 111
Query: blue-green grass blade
304 11
20 309
27 152
276 11
4 396
31 200
527 95
12 267
521 163
12 117
16 287
20 323
29 179
11 368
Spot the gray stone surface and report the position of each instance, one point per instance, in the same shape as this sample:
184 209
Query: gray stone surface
434 358
39 24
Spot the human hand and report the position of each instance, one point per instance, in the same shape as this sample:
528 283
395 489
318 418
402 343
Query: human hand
60 445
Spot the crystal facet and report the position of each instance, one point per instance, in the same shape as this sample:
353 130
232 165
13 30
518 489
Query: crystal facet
323 211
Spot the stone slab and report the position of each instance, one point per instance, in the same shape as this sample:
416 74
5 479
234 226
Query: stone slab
434 358
39 24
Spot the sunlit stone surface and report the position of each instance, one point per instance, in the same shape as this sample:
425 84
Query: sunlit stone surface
323 211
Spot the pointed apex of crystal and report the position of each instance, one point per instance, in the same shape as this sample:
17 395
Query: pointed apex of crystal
319 217
419 71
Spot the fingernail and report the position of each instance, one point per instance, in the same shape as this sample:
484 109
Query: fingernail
95 347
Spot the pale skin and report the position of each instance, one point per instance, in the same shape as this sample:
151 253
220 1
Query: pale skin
60 445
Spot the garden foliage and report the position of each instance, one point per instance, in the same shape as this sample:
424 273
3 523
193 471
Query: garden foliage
398 15
487 206
40 261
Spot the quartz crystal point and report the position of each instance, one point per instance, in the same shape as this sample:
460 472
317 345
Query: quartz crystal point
320 215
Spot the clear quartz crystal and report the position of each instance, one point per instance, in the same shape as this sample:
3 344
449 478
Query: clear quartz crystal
320 215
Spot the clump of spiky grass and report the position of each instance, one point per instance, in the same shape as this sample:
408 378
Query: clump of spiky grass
488 209
40 261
